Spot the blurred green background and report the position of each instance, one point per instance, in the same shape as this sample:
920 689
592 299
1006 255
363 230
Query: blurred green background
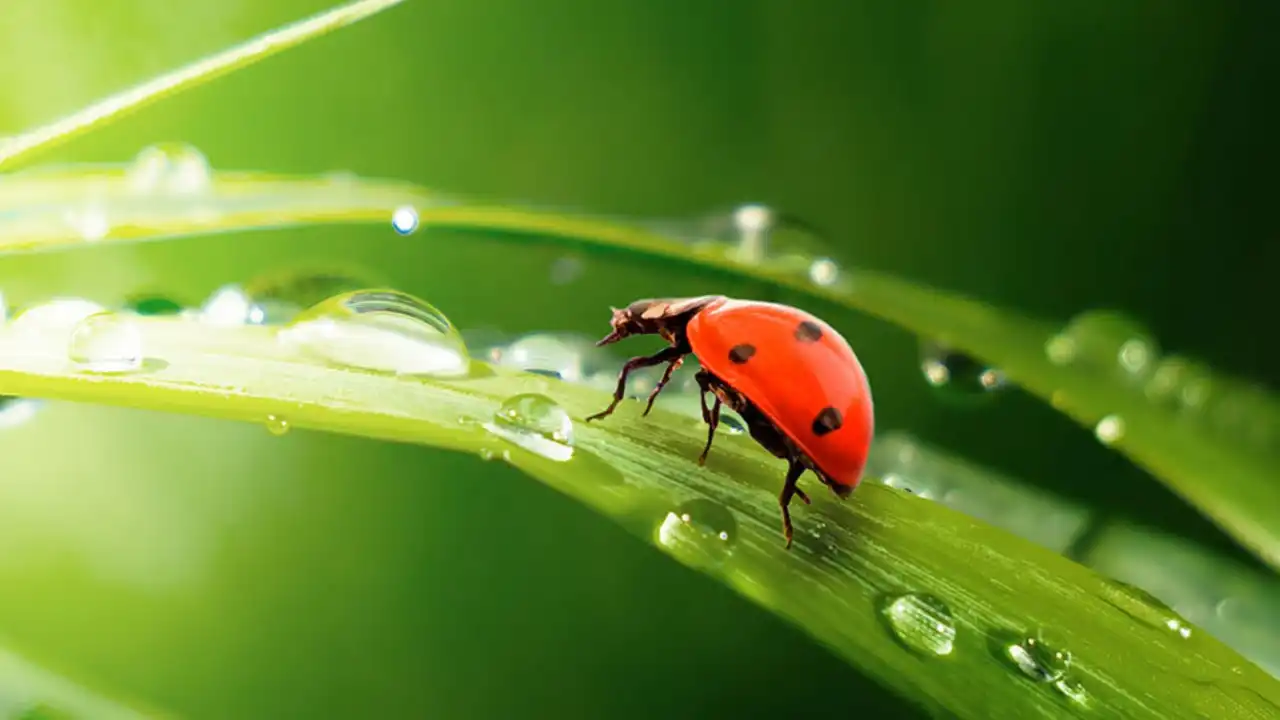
1051 158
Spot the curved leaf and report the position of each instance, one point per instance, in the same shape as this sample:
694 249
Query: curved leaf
848 559
1229 482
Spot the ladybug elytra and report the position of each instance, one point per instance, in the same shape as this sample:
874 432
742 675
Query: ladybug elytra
794 380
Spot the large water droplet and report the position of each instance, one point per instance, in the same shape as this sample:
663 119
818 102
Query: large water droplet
958 375
170 168
1106 339
106 343
537 424
57 315
380 330
277 298
228 305
921 622
1039 660
404 220
701 532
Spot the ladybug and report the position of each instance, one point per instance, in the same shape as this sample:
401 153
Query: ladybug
794 380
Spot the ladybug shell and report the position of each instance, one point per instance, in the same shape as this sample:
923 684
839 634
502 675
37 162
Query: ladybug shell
799 372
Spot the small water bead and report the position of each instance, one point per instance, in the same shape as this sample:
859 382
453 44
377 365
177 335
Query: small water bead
1072 690
536 423
1105 339
404 220
226 306
1145 608
170 168
106 343
277 425
1039 660
1180 383
380 330
921 622
1109 430
958 375
702 532
15 411
824 272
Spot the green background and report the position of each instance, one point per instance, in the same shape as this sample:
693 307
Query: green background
1050 158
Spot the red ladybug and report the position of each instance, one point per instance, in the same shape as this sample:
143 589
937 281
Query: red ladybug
794 380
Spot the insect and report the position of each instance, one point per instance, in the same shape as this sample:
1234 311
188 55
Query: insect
794 380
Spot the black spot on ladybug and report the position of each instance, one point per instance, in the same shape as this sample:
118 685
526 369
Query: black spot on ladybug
808 331
828 421
741 353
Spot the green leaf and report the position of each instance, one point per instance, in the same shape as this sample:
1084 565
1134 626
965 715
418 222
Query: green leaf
849 560
1230 482
19 147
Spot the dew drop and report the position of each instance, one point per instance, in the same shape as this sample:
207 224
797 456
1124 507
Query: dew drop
753 223
228 305
1072 690
1105 339
824 272
1180 383
404 220
57 315
958 375
1039 660
564 356
170 168
1109 430
537 424
106 343
702 532
15 411
277 425
922 622
380 330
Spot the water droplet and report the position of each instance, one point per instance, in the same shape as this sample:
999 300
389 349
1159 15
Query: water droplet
1109 430
537 424
1180 383
824 272
228 305
911 485
1072 690
566 270
570 358
277 298
701 532
958 375
404 220
1105 339
15 411
106 343
380 330
1144 607
57 315
153 305
91 222
921 622
277 425
170 168
1039 660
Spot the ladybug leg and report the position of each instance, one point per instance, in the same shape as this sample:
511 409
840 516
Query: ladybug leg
666 355
666 377
713 421
794 471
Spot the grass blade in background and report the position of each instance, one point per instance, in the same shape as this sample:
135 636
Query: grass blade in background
19 147
850 558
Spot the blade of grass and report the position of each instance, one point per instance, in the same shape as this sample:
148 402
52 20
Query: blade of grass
1230 483
19 147
848 556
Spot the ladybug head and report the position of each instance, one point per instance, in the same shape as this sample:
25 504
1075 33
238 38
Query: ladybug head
653 316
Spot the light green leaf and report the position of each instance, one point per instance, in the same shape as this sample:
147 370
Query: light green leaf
850 559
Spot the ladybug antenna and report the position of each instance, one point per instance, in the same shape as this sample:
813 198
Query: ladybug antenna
619 322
